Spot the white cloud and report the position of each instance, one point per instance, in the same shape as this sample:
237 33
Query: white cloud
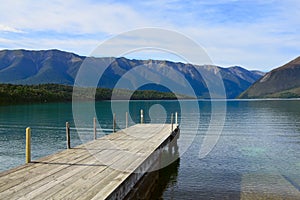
248 47
264 40
71 16
5 41
82 46
4 28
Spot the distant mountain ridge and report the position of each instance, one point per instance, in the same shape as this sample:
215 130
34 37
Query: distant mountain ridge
282 82
37 67
59 67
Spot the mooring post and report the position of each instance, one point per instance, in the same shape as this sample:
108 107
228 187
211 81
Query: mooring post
126 124
171 122
142 116
28 145
176 118
95 128
114 122
68 135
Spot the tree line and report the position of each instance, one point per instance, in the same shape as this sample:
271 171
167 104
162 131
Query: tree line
43 93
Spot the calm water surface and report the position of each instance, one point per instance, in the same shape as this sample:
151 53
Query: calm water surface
257 154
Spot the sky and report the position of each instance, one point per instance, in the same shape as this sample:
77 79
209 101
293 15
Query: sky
254 34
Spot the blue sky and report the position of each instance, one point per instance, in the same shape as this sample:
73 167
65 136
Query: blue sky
254 34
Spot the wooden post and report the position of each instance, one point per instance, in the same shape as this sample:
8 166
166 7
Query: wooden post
68 135
126 120
171 122
95 128
28 145
142 116
114 122
176 118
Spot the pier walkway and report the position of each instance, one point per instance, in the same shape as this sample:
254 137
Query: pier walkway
106 168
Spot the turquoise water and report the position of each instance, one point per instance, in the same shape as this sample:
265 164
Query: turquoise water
258 149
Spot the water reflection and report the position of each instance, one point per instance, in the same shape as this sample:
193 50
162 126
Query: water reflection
154 183
167 179
258 151
257 156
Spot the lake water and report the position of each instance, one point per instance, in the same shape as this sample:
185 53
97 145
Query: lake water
256 155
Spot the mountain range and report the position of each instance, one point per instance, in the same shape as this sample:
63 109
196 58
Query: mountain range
282 82
59 67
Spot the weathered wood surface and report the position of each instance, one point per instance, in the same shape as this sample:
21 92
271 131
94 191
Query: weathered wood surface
90 171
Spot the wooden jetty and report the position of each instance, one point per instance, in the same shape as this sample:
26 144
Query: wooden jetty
105 168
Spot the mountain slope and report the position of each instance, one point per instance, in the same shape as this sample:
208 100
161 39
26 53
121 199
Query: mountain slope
36 67
282 82
59 67
238 79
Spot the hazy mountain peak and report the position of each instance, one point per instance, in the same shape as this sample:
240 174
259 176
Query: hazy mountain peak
281 82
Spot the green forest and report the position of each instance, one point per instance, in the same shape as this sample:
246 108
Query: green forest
22 94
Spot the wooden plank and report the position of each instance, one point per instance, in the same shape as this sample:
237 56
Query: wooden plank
113 184
75 189
81 168
100 192
81 186
34 169
37 178
68 157
62 180
62 155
